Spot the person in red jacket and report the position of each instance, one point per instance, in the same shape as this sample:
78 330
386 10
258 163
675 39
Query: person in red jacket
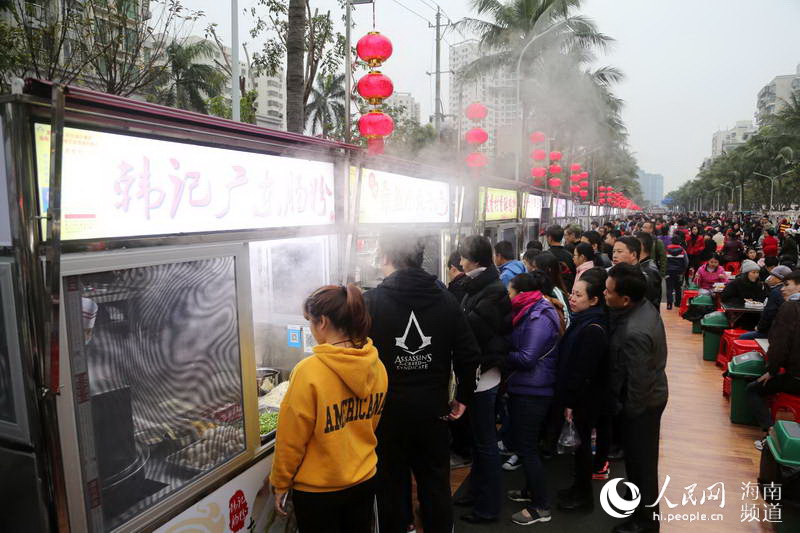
695 246
770 244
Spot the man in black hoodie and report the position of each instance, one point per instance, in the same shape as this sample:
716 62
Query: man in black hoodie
419 331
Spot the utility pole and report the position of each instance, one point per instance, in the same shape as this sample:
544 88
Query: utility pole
235 67
438 113
348 74
437 105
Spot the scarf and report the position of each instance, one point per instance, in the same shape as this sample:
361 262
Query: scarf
522 303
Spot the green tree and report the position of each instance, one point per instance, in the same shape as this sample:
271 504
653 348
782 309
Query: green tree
187 83
308 42
248 105
325 111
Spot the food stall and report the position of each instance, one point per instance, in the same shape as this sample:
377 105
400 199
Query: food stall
391 202
533 224
500 216
154 263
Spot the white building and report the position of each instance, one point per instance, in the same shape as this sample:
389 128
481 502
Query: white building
773 96
495 91
408 102
726 140
652 187
271 90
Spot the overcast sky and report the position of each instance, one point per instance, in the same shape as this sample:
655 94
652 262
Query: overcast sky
692 66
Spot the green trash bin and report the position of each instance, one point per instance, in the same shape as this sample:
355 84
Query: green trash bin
702 300
780 465
713 325
743 370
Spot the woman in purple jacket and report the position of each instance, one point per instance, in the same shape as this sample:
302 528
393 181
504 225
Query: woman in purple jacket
533 366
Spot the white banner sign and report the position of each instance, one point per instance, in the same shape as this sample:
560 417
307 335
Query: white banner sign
388 198
533 207
236 507
121 186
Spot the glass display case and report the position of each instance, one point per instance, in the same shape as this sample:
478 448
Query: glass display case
156 365
283 273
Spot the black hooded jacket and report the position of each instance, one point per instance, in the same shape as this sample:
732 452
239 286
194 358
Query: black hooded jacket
419 331
488 310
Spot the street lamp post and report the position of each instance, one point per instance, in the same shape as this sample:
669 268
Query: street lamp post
771 184
518 97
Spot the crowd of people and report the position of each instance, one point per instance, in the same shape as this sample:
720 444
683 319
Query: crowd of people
515 348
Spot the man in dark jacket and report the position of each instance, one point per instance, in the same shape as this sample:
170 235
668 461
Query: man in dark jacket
488 311
783 353
677 264
775 283
650 269
628 250
420 331
638 358
555 234
659 251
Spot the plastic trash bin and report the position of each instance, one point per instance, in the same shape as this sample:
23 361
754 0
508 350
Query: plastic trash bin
704 300
743 370
713 324
780 466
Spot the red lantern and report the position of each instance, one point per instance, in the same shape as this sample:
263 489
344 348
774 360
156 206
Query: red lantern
575 167
477 160
584 184
538 172
575 177
584 194
585 175
375 87
555 156
555 169
374 48
609 188
537 137
476 112
601 194
554 183
574 188
375 145
477 136
601 201
539 155
375 124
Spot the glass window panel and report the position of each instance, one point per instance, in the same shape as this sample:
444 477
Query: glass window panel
161 358
283 274
6 390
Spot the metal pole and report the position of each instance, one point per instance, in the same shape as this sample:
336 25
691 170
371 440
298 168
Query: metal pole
437 116
771 189
348 75
235 67
518 100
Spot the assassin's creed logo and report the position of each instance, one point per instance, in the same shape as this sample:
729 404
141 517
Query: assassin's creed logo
416 359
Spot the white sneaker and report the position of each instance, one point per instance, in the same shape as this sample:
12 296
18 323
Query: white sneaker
512 464
503 449
759 444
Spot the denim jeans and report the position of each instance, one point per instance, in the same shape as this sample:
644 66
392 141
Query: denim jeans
752 335
528 415
485 478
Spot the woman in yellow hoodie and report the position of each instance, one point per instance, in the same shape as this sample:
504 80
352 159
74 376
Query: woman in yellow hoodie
325 447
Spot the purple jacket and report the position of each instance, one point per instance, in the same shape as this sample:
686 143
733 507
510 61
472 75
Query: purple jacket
533 358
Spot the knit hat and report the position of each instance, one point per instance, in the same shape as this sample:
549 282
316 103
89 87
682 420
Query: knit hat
781 272
749 266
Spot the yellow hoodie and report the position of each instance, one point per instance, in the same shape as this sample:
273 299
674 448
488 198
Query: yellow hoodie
326 426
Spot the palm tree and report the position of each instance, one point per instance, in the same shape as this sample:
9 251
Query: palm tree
325 110
295 65
185 83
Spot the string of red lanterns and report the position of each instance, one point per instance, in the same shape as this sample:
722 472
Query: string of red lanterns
477 136
375 87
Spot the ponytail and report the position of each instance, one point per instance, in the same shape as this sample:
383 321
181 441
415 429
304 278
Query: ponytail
344 307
